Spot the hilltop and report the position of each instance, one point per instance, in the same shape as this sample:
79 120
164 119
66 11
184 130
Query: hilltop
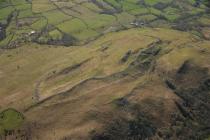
105 69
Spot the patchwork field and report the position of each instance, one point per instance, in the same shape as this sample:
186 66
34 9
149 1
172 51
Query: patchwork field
104 70
69 22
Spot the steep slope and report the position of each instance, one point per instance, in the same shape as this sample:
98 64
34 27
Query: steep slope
105 69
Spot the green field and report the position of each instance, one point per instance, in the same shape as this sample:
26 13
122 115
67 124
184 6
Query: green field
83 21
10 119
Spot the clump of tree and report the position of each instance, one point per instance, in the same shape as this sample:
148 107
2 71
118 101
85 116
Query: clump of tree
207 3
199 2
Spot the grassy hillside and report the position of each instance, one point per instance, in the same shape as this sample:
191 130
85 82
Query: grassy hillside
81 90
104 69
